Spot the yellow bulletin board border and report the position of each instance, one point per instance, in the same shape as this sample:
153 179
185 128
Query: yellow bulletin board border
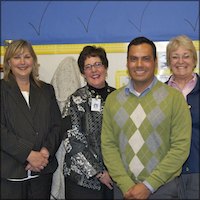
76 48
54 49
120 78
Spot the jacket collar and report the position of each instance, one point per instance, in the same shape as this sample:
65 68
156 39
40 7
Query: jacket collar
34 96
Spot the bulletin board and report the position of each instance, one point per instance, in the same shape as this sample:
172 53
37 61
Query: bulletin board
80 22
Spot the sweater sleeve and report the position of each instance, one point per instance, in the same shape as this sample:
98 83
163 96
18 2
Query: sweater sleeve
180 137
111 152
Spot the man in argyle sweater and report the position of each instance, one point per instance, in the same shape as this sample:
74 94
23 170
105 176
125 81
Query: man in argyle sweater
146 130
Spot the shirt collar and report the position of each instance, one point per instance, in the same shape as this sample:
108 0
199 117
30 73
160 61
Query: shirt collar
172 82
130 89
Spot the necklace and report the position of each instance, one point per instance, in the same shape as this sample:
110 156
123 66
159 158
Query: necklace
100 93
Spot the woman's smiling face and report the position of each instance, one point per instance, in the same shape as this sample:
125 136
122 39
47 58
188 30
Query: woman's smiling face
95 72
21 64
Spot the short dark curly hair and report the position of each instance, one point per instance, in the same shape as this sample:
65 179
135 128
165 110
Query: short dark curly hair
92 51
143 40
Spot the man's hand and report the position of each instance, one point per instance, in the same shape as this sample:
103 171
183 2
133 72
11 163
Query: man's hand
138 191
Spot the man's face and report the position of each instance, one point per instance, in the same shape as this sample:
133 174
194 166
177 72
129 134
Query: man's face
141 64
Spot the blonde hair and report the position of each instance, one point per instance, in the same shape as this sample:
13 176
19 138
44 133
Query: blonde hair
183 41
14 48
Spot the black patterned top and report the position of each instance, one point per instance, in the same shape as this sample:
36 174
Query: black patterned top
82 137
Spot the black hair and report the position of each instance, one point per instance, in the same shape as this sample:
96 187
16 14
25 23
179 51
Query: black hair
142 40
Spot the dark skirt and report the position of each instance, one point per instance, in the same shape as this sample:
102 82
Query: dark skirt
35 188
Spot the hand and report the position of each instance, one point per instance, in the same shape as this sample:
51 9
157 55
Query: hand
106 180
34 169
44 152
37 160
138 191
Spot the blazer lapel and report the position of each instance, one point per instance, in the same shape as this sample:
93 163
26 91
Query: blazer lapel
35 96
16 94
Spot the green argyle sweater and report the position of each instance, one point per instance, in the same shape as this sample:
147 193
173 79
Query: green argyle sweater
145 138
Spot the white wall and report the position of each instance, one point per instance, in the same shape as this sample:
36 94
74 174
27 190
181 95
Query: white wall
49 63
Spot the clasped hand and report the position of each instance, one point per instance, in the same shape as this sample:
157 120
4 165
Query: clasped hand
38 160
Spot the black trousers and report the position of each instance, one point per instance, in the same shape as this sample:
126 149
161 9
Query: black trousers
74 191
36 188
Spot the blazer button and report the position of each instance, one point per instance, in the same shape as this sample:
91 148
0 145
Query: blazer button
36 133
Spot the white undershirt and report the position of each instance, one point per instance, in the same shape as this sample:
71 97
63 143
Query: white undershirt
26 97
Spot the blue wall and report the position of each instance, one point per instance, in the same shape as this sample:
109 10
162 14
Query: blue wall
77 22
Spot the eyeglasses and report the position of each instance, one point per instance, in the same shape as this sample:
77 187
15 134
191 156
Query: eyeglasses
96 65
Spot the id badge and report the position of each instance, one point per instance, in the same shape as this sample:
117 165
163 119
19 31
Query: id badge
96 104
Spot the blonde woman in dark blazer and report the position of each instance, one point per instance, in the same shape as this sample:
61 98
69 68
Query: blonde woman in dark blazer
182 60
30 126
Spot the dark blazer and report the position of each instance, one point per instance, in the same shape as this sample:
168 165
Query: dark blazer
192 164
24 129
